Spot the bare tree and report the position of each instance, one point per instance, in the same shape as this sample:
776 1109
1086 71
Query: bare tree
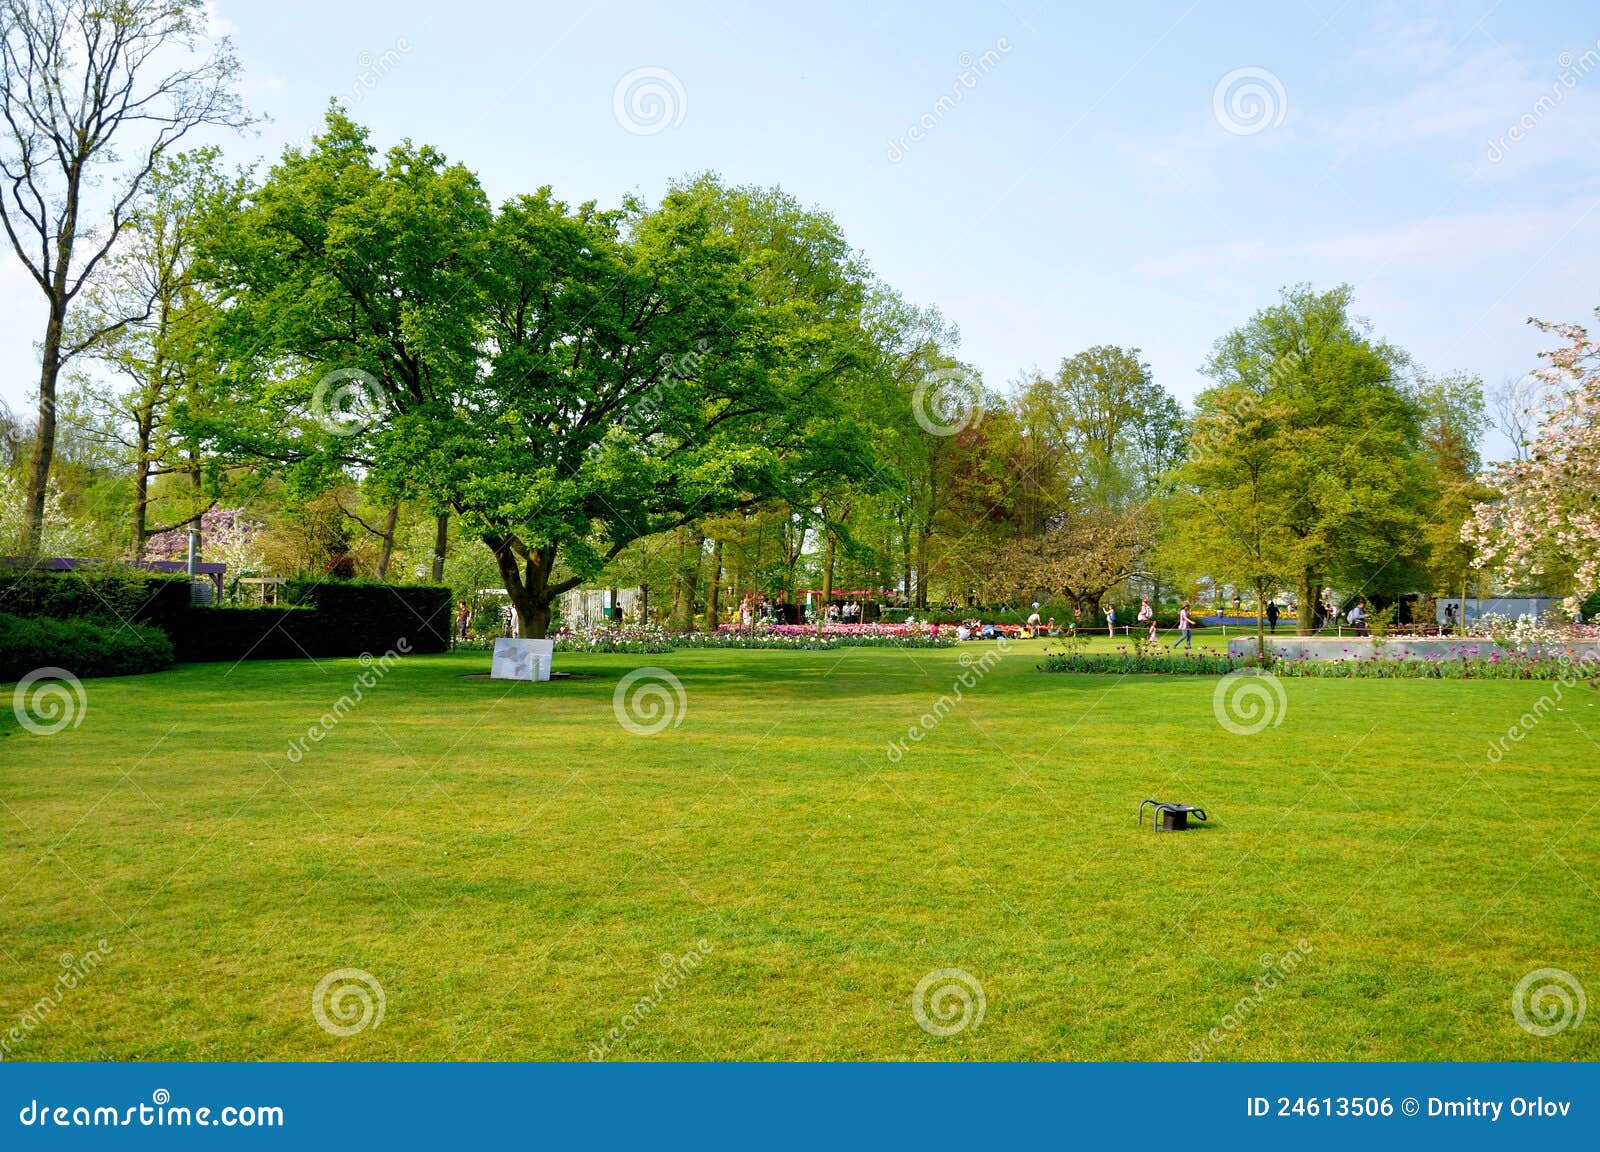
93 96
1516 402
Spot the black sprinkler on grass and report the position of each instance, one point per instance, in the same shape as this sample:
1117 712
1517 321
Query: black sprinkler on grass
1169 817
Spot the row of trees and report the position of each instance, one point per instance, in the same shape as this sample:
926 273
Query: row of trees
705 393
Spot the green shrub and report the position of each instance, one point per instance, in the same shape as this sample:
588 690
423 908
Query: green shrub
83 647
337 619
103 592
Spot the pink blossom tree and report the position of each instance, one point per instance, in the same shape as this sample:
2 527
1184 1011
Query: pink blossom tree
225 535
1545 517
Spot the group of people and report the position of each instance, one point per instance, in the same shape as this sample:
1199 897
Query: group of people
763 611
976 629
846 613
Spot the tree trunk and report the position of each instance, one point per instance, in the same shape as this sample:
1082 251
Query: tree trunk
644 603
714 589
828 550
691 542
141 493
1310 600
528 588
441 541
44 441
386 537
1261 633
924 535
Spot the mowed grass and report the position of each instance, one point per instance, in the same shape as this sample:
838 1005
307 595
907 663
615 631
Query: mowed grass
511 865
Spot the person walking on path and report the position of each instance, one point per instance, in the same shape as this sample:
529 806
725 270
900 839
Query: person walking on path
1185 627
1272 616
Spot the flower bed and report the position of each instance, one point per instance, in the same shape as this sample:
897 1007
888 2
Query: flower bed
1518 666
654 640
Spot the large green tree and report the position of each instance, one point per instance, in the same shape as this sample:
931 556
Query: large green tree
566 380
1346 480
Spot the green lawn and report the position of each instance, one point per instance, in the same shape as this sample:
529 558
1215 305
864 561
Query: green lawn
510 864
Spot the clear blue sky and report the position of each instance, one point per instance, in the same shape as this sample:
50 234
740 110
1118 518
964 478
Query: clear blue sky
1084 189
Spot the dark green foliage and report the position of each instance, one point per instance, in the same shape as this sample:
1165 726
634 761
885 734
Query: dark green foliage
84 647
331 620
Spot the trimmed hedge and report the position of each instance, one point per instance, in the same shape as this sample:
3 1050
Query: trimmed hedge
122 595
83 647
347 619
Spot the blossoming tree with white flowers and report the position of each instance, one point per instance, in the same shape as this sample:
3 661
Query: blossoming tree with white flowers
1544 522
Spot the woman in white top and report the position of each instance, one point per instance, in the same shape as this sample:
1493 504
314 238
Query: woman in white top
1184 628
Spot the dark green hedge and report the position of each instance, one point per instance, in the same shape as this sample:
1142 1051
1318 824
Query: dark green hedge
84 647
125 595
347 619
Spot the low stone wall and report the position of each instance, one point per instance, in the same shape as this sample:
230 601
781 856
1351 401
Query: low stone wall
1400 647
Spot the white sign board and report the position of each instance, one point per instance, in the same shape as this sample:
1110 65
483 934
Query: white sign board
517 659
